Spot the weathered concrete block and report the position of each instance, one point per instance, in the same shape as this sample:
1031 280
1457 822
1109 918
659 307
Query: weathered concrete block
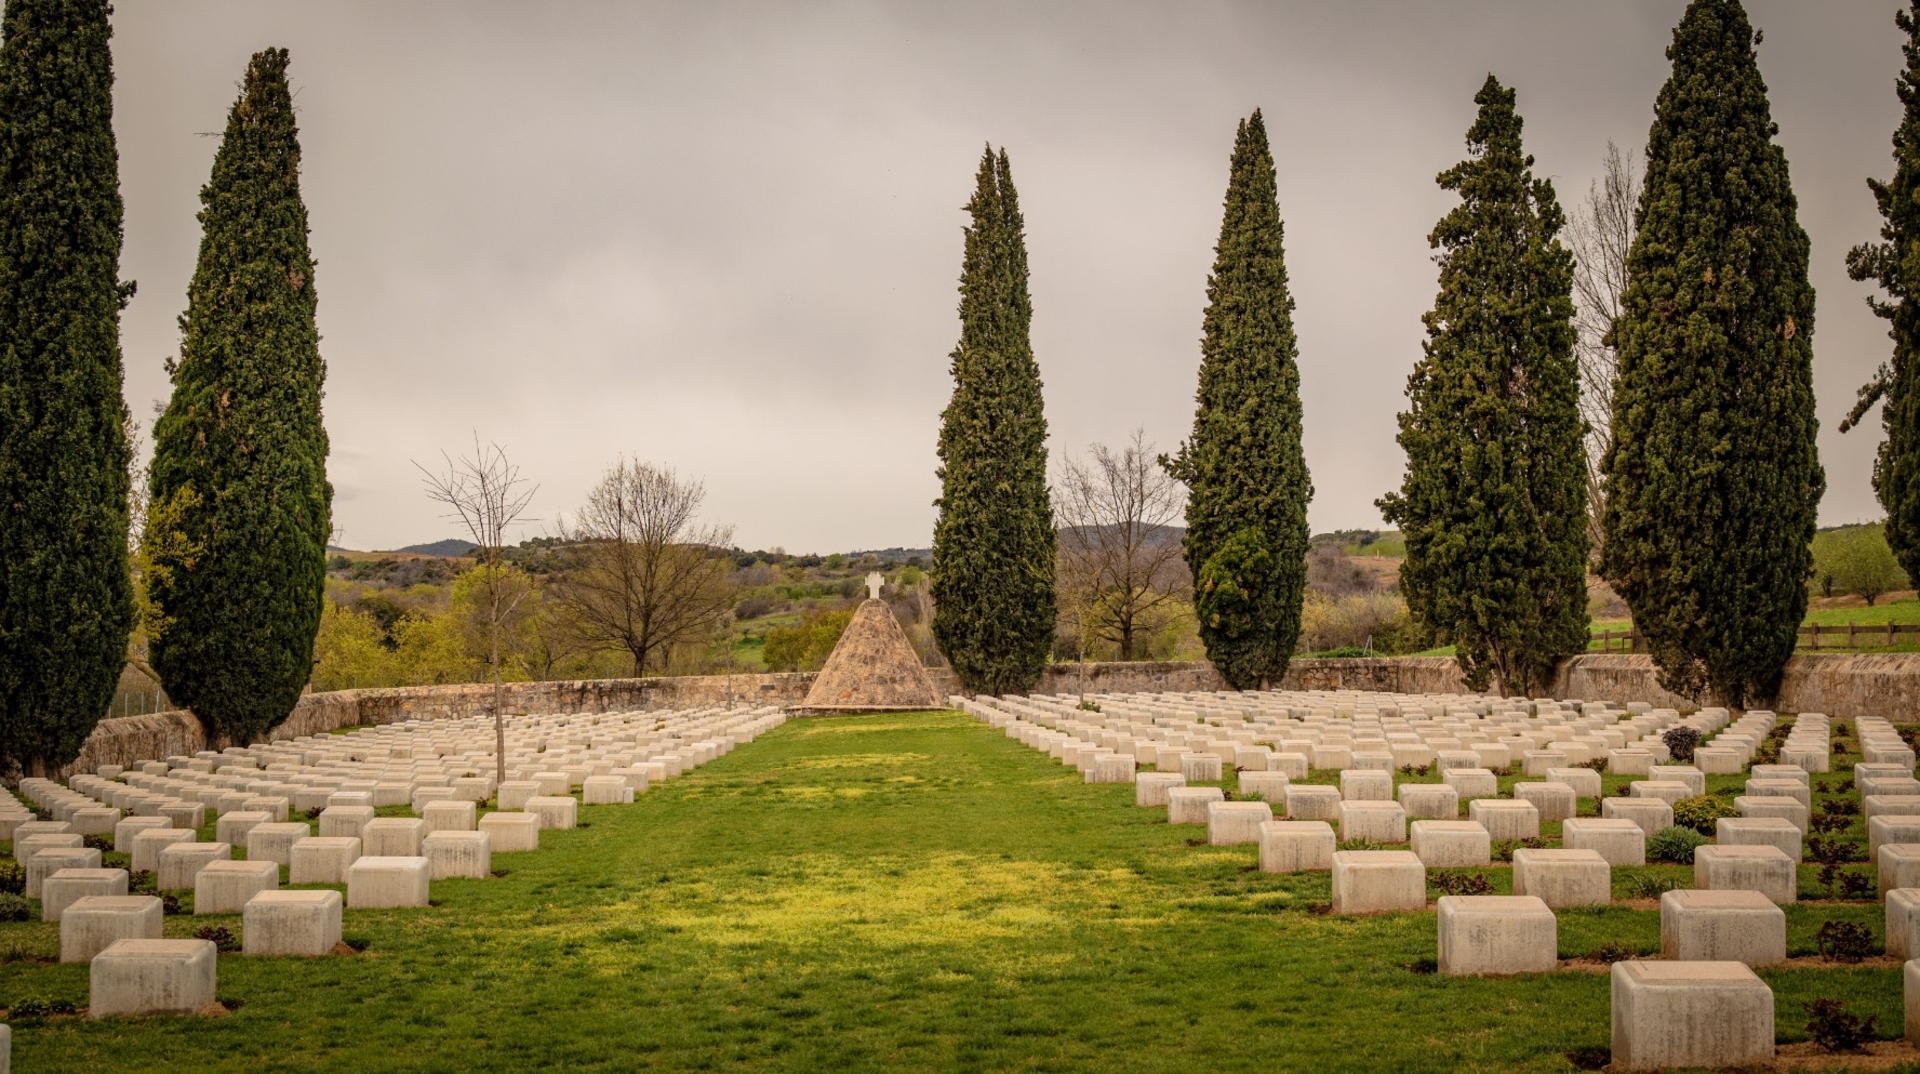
223 887
125 829
1690 1014
181 862
1188 805
1554 801
1619 841
344 821
1784 808
1234 823
1429 801
137 977
1313 803
1296 846
1269 787
1451 844
232 828
1373 820
1496 935
291 923
1714 761
1651 814
274 841
458 854
1150 788
555 812
1664 790
1692 777
1292 764
94 820
1359 785
1505 818
1629 762
379 883
67 886
1722 926
1891 829
1333 758
1764 869
513 794
1534 763
1898 866
1200 767
512 832
613 790
1107 768
1472 783
323 860
1375 881
1780 788
184 814
392 837
1563 877
44 863
1584 781
461 816
1759 831
91 924
279 807
1903 922
147 845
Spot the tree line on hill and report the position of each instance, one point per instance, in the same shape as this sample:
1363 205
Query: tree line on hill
1684 330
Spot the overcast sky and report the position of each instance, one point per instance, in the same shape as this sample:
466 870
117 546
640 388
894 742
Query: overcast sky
725 237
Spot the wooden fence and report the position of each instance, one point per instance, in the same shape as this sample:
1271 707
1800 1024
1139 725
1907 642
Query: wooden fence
1812 636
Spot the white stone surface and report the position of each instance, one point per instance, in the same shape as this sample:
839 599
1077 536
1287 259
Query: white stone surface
1376 881
1690 1014
1296 846
1430 801
305 923
1234 823
1374 820
181 862
1451 844
555 811
1496 935
1651 814
1722 926
378 883
1903 922
1188 805
323 859
1505 818
393 837
1563 878
223 887
68 886
1619 841
91 924
273 841
512 832
1767 870
1313 803
1759 831
1554 801
458 854
141 977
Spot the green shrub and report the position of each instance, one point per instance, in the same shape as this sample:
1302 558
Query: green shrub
1700 811
1675 844
13 878
1844 941
1650 885
1834 1029
1680 743
15 908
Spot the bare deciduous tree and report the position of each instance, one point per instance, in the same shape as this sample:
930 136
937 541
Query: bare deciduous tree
485 493
649 577
1600 234
1119 552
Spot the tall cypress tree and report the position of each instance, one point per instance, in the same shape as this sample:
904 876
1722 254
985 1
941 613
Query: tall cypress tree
1494 500
240 454
993 545
66 602
1713 480
1245 471
1894 263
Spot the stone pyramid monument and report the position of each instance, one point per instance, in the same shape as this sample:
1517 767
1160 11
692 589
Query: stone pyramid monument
874 667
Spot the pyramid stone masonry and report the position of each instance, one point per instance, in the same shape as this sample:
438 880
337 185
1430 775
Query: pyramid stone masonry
873 668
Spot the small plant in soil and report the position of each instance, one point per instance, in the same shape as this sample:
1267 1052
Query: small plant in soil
1650 885
1844 941
223 938
1834 1029
1610 952
1681 742
1450 882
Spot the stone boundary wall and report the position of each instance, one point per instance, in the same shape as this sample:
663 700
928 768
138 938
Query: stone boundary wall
1838 684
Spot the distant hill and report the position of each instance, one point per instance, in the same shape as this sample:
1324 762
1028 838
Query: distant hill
449 547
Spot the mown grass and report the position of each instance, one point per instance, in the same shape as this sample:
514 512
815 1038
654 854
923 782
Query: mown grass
888 892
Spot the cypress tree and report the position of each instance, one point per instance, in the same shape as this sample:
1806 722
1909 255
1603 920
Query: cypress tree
66 603
1894 263
993 545
1493 505
1713 479
240 453
1245 472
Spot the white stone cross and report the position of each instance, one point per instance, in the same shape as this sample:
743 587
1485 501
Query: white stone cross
874 582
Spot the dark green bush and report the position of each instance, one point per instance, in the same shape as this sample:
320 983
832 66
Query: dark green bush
1700 811
15 908
1681 742
1675 844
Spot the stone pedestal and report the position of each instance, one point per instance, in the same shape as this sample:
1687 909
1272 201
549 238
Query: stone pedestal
224 887
1451 844
91 924
1619 841
1690 1014
1504 818
1295 846
1375 881
1496 934
463 855
1763 869
512 832
1563 878
378 883
1188 805
68 886
291 923
1722 926
139 977
1233 823
323 860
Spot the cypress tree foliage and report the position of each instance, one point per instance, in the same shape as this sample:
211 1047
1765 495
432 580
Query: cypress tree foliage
1494 502
1714 479
240 453
66 600
993 545
1894 263
1245 472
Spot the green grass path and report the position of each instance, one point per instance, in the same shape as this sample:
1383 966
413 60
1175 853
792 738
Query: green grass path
881 893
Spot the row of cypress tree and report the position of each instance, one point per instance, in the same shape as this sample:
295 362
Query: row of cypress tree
1713 481
238 511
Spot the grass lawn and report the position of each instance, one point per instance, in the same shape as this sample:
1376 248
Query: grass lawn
888 892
